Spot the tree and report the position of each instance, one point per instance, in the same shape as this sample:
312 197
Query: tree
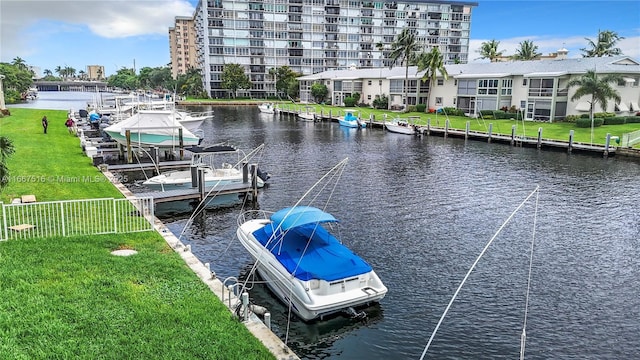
489 50
604 45
20 63
16 82
599 89
190 83
47 72
433 63
286 81
6 150
403 49
124 79
234 78
527 51
319 92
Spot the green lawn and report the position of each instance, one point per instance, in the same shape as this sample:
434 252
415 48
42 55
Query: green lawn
69 298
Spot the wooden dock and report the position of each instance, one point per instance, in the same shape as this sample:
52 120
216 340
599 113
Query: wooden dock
197 194
513 139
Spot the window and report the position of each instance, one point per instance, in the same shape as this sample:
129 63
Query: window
440 82
369 82
380 82
524 82
368 97
438 100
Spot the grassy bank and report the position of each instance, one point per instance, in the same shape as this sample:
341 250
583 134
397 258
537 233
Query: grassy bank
69 298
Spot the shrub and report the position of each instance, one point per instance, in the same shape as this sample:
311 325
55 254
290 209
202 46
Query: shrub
486 113
421 107
586 123
632 119
381 102
616 120
453 111
349 101
572 118
412 108
584 116
603 115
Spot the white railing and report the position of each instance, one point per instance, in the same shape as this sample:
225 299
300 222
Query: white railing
76 217
630 139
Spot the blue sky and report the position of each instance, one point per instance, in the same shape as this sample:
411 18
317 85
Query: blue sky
116 33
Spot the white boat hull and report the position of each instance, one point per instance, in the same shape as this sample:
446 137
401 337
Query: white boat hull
400 128
182 179
313 299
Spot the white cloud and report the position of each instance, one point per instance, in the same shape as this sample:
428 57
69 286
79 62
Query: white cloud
105 18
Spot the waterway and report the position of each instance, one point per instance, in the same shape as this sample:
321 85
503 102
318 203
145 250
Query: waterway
420 210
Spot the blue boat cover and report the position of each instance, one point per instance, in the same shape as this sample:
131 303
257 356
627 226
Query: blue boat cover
306 249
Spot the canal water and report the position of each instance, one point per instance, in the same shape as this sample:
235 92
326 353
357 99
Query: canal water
420 210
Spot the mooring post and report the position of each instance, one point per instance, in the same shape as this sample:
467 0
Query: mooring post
446 128
254 183
466 130
201 187
539 137
490 131
194 176
181 144
428 126
245 173
570 141
267 320
127 133
606 145
245 305
513 134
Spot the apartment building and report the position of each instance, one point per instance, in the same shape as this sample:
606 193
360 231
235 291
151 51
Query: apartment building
96 72
182 45
537 88
312 36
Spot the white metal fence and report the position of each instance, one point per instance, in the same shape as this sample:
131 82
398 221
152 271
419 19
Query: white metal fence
76 217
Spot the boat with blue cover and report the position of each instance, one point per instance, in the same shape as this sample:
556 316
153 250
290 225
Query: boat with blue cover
351 120
305 265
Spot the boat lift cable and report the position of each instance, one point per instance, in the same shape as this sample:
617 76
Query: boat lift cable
523 337
486 247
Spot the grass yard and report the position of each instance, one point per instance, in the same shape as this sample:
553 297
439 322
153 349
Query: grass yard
69 298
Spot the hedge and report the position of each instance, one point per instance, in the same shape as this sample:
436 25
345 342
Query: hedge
616 120
586 123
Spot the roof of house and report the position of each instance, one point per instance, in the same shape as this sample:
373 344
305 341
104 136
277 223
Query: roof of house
531 68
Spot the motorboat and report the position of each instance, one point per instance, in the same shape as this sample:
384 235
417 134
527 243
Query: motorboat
160 128
308 114
229 171
267 108
351 120
401 126
192 121
305 265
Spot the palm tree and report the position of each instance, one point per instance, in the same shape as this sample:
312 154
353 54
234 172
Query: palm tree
403 49
19 63
527 51
599 89
604 45
59 70
489 50
432 62
6 149
47 72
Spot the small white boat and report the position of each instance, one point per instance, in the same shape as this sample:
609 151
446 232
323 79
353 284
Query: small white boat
267 108
219 175
159 128
192 121
401 126
304 264
351 120
308 114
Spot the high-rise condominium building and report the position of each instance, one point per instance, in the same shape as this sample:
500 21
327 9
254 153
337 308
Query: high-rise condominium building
311 36
182 49
96 72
